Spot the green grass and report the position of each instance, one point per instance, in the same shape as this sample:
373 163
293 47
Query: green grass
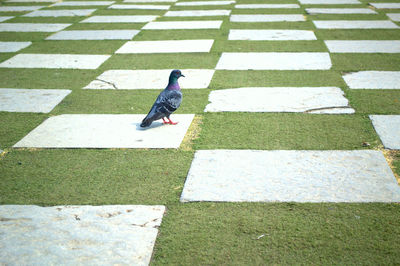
351 34
75 47
375 101
357 62
23 36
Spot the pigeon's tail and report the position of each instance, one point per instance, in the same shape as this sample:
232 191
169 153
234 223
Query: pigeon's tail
146 122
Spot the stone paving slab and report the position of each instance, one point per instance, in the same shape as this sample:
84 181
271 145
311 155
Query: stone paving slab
394 16
363 46
329 2
73 61
30 100
149 1
60 13
323 100
94 35
340 11
4 18
76 235
11 47
274 61
388 129
271 35
197 13
355 24
119 19
173 25
290 175
267 18
19 8
150 79
84 3
29 1
205 3
150 7
373 80
32 27
266 6
175 46
385 5
106 131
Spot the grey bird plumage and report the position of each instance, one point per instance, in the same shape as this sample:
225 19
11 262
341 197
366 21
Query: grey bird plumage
167 101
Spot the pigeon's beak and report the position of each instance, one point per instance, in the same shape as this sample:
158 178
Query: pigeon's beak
182 75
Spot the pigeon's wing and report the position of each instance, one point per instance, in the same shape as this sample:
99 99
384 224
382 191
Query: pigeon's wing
172 101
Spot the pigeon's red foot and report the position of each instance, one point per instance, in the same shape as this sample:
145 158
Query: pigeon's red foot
169 122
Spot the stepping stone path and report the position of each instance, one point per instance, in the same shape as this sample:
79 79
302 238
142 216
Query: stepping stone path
394 16
363 46
151 7
33 27
60 13
271 35
325 100
105 131
373 80
94 35
205 3
11 47
149 1
355 24
115 234
266 6
267 18
84 3
174 25
72 61
150 79
388 129
386 5
2 18
119 19
287 176
274 61
29 1
340 11
197 13
19 8
329 2
35 101
180 46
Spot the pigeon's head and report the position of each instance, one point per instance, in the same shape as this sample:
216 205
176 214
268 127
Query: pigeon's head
175 74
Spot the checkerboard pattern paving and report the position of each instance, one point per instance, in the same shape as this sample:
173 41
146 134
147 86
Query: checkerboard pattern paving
294 101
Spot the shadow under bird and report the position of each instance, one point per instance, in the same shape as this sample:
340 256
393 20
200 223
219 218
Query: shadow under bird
167 101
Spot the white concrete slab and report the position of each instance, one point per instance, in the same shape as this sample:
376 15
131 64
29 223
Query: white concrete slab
84 3
150 7
197 13
76 235
290 175
329 2
267 18
150 79
271 35
394 16
4 18
266 6
119 19
340 11
274 61
34 101
19 8
32 27
60 13
355 24
205 3
106 131
94 35
173 25
388 129
363 46
73 61
373 80
29 1
385 5
178 46
149 1
11 47
323 100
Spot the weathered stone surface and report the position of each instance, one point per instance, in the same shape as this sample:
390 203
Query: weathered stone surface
61 13
197 13
84 3
11 47
323 100
33 27
373 80
174 46
386 5
30 100
77 235
150 79
19 8
73 61
119 19
328 2
4 18
267 18
266 6
29 1
355 24
388 129
340 11
290 175
274 61
106 131
363 46
394 16
149 1
271 35
192 24
151 7
205 3
94 35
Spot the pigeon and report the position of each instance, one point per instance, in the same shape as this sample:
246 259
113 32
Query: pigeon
167 102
